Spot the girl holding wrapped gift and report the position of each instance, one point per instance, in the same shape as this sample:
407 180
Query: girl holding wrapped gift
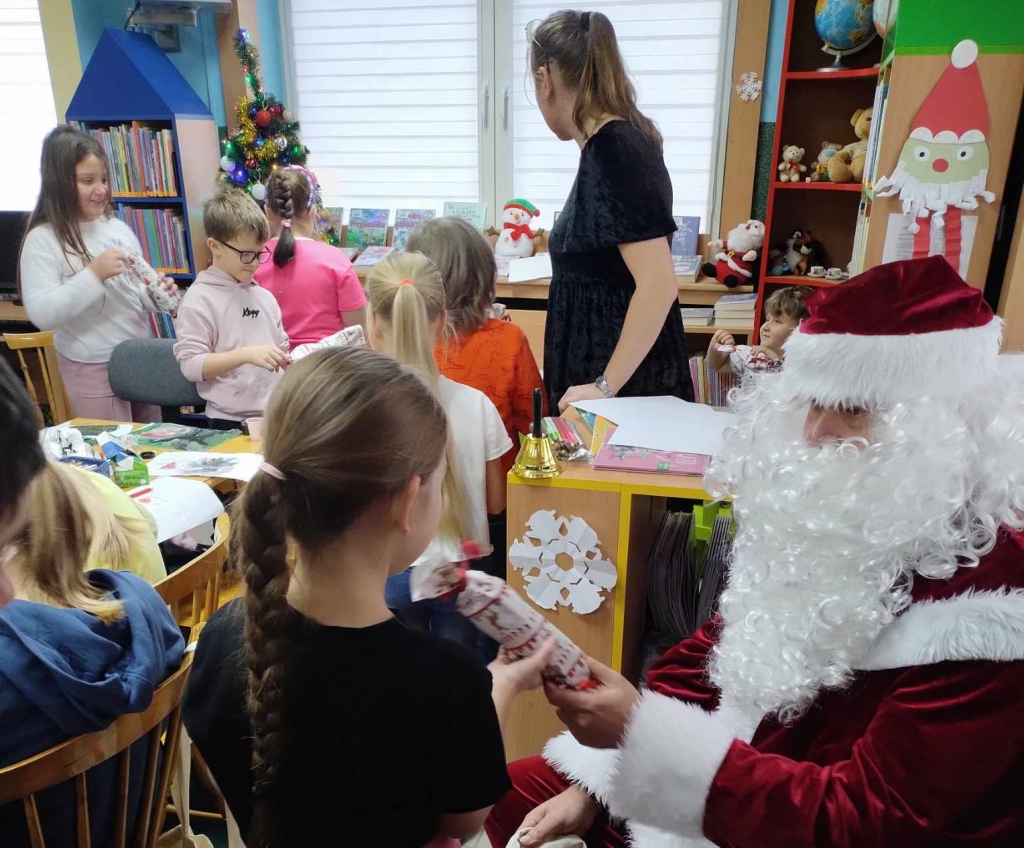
407 317
71 275
315 708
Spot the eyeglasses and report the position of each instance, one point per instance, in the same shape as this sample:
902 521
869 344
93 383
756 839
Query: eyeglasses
247 257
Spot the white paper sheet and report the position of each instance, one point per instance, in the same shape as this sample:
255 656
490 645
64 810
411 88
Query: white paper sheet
177 505
899 241
663 423
530 268
229 466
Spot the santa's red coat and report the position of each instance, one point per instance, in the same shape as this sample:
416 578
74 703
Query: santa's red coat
732 264
925 748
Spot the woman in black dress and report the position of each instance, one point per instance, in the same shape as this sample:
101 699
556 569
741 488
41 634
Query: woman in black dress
613 324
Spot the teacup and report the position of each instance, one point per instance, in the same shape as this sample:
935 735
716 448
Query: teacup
816 271
834 273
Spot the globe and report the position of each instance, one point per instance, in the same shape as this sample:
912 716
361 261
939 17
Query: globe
881 15
844 25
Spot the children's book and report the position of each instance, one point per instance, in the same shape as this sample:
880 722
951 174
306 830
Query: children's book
181 437
475 213
698 316
684 239
407 220
624 458
373 255
367 227
686 268
331 216
350 252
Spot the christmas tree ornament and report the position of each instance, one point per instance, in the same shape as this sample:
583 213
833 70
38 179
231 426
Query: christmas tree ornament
252 110
280 142
263 118
251 164
943 166
227 164
516 237
276 110
259 192
288 116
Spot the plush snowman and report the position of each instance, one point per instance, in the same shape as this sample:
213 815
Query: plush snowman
516 237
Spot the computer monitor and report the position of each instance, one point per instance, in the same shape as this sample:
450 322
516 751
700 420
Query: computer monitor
12 230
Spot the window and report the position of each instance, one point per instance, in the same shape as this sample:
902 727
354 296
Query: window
27 102
410 103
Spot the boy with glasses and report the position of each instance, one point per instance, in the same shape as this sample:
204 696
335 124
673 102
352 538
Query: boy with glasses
231 342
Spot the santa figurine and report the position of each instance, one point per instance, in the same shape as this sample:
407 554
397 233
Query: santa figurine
736 258
863 681
516 237
944 163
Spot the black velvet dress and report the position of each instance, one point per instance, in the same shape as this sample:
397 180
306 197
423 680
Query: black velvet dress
622 195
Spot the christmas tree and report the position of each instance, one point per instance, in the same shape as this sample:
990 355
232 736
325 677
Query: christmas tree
268 134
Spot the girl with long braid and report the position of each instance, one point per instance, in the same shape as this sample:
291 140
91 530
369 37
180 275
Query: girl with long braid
322 718
314 283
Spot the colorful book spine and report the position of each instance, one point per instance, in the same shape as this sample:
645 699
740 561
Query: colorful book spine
141 159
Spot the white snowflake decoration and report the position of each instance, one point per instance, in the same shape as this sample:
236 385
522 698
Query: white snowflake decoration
749 87
548 584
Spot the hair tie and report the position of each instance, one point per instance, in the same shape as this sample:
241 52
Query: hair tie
585 21
405 283
267 468
287 223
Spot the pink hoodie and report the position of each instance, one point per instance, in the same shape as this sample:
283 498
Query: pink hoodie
219 314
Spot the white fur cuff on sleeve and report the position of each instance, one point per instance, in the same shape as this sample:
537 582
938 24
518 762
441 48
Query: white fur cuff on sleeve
667 763
591 768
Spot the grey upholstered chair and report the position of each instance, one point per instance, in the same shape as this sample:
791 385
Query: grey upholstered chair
145 371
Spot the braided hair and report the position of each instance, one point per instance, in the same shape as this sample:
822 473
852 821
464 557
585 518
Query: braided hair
290 193
346 428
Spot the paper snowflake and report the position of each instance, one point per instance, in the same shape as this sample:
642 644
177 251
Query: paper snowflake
749 87
548 584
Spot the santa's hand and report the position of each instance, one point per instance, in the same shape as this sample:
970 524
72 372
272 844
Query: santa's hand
597 717
572 812
750 256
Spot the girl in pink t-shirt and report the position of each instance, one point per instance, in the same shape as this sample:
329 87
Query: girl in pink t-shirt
314 283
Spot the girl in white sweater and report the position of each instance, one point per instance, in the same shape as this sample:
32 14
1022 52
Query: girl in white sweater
71 261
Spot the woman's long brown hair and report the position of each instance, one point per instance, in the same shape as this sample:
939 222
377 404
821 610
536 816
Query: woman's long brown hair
584 47
346 428
58 205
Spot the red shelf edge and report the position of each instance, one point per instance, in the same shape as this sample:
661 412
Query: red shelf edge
797 280
819 186
853 73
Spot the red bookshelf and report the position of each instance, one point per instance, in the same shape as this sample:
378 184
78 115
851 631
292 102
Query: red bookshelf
856 187
853 73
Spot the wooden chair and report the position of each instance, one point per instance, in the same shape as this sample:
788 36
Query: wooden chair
73 759
193 591
53 385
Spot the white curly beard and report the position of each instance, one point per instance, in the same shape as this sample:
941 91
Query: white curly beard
831 538
919 198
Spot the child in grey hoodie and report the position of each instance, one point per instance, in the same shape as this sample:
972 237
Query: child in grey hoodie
231 342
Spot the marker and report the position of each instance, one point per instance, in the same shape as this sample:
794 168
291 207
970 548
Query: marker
140 492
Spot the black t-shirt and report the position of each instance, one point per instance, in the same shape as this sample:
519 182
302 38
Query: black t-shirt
390 727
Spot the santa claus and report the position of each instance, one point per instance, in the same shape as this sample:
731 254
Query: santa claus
736 259
944 163
864 682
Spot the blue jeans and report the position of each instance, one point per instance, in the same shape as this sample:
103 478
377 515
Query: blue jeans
438 615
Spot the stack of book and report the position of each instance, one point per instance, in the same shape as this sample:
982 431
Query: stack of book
709 386
161 232
141 159
698 316
736 309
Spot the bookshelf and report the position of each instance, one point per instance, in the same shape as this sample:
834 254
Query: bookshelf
131 94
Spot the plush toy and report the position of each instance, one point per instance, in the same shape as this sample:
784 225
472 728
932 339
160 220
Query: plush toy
803 252
736 257
848 163
516 237
819 168
790 168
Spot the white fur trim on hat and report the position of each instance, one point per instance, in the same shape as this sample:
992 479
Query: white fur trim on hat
843 368
667 762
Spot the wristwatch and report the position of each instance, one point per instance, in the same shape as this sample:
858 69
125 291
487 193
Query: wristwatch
602 384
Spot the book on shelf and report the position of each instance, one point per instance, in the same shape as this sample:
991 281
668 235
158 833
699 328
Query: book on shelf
407 220
372 255
684 239
367 227
350 252
161 325
686 267
141 159
331 216
475 213
698 316
161 232
710 387
736 305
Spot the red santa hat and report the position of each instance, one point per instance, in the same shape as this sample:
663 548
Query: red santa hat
955 111
898 331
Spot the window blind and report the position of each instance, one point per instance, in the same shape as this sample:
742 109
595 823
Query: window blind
388 99
672 50
26 107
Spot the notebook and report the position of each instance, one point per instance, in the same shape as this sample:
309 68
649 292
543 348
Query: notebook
624 458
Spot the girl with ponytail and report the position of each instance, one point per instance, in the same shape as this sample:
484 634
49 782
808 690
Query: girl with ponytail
613 325
407 317
314 283
316 710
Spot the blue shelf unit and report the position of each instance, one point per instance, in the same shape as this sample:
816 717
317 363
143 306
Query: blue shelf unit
130 79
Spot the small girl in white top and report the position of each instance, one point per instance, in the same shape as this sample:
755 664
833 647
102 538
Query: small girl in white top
407 316
70 266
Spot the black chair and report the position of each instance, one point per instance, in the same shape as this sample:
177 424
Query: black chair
145 371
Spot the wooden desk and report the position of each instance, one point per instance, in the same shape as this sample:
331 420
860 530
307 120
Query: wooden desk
625 510
10 311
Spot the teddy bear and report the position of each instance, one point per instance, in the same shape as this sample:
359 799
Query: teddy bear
736 257
848 164
819 167
790 167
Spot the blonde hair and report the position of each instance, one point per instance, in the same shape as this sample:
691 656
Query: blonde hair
584 47
788 303
230 213
346 428
465 260
69 525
